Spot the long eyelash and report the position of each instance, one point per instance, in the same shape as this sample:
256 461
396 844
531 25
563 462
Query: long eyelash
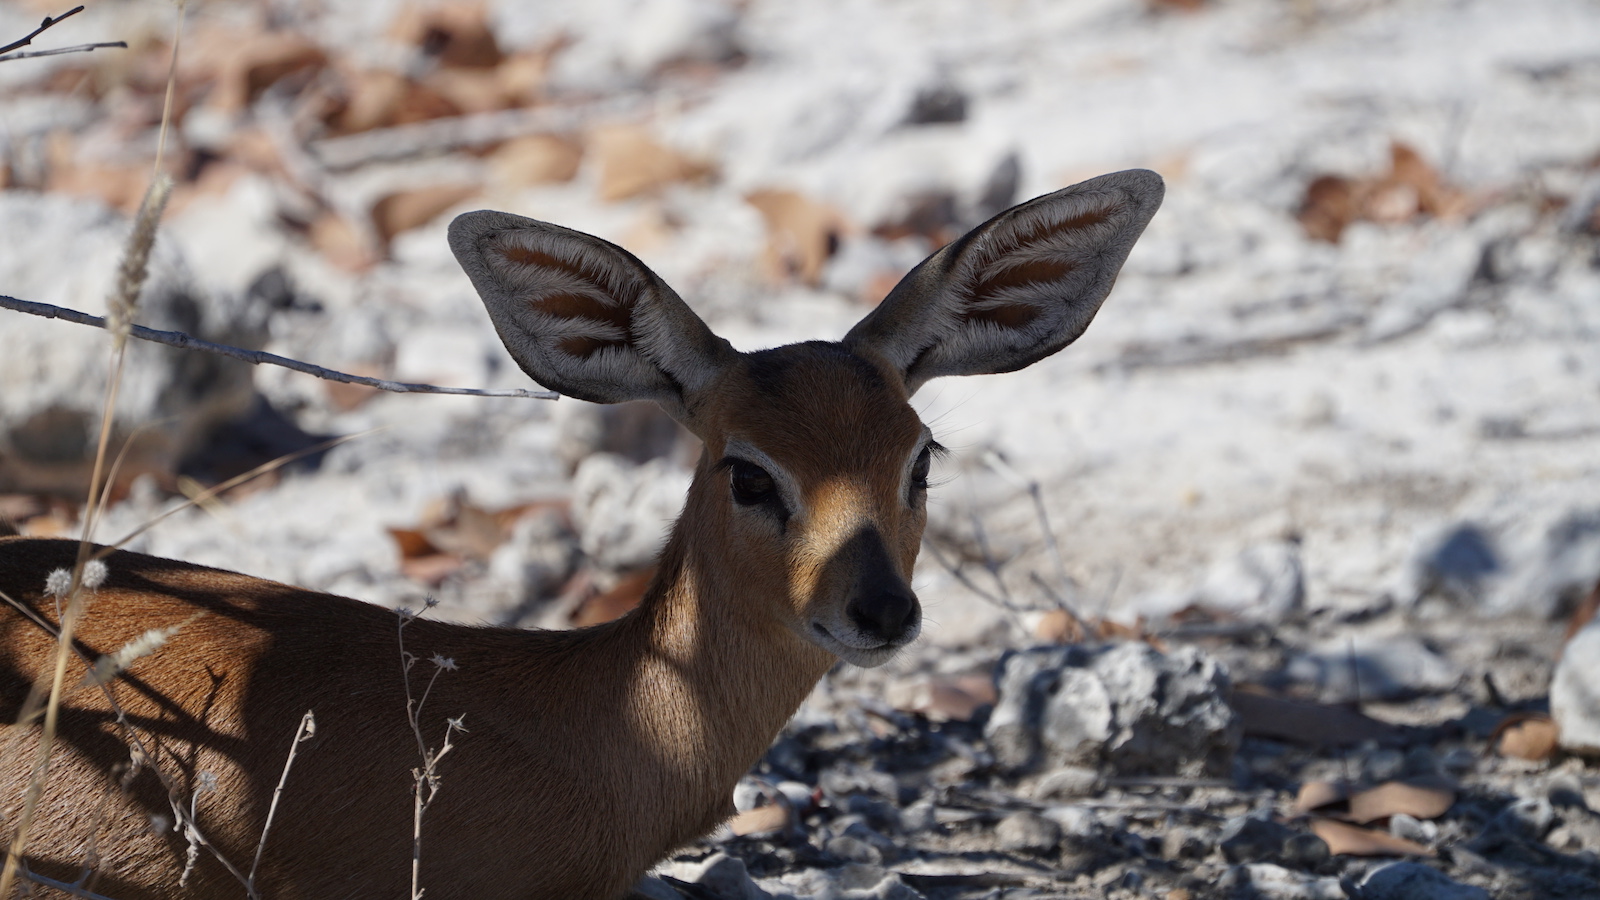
937 450
725 463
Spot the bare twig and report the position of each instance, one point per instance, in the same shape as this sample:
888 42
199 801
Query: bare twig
44 26
75 890
256 357
1062 604
425 778
307 729
61 51
1003 602
233 482
1002 467
443 135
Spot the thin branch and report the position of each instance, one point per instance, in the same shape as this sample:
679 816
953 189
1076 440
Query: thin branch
1061 603
1003 602
307 729
256 357
75 890
457 132
1002 467
224 486
43 27
59 51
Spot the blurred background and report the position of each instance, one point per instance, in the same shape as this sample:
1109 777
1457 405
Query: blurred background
1353 357
1343 405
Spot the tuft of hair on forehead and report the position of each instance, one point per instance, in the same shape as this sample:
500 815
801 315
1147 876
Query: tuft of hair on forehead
822 402
780 372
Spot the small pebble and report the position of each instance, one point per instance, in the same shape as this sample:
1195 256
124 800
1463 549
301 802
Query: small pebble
1529 817
1413 829
1067 783
919 817
1028 832
1383 765
1415 881
1459 761
1075 821
1181 843
852 849
1253 838
1270 882
1304 851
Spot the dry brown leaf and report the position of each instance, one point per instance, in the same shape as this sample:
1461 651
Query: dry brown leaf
957 699
244 64
1302 722
536 159
1315 795
1057 626
470 90
1411 188
1330 205
412 543
379 98
1353 840
431 570
1416 799
405 210
340 242
767 819
802 234
21 507
633 163
523 75
1531 736
934 215
612 604
119 184
457 34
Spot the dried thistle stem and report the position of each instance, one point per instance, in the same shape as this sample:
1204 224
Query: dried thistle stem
307 729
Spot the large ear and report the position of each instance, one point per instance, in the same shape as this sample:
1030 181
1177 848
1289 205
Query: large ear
584 316
1015 289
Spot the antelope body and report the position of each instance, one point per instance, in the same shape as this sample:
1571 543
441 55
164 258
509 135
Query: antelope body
589 754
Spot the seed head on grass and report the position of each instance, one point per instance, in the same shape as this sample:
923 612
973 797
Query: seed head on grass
135 267
58 583
94 574
111 665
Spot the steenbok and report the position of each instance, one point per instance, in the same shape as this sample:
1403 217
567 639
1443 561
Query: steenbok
590 754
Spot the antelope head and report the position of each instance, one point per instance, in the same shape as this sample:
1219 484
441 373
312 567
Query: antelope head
812 491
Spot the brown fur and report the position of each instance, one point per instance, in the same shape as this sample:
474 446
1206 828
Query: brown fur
589 754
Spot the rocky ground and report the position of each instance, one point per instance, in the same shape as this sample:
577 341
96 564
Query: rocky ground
1315 500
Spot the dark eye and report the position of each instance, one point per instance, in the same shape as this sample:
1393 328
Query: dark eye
919 469
751 483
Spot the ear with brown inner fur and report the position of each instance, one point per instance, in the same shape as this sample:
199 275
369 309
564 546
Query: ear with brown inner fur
1015 289
584 316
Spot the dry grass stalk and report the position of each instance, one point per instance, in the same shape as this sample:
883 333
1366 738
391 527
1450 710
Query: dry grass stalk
425 779
80 584
306 731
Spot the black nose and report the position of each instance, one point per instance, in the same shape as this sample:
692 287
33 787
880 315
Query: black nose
881 604
886 614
